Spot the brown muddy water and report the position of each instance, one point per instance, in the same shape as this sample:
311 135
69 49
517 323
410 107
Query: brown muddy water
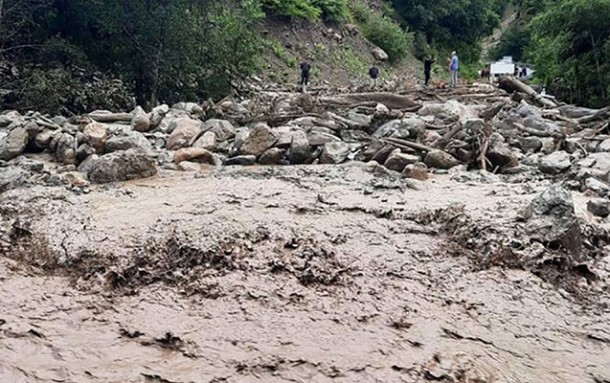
296 274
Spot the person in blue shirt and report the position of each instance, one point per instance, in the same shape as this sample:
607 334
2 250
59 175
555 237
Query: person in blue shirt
454 67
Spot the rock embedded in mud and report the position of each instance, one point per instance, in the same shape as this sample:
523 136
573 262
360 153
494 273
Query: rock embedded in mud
87 164
550 219
193 154
300 150
397 161
14 143
12 177
96 135
555 163
416 171
599 207
440 160
244 160
122 166
271 156
187 166
260 139
334 152
185 129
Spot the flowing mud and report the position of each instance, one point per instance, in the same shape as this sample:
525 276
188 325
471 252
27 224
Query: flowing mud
296 274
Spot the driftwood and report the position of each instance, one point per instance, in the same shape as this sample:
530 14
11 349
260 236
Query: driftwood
410 144
512 84
111 117
601 114
444 140
538 133
391 100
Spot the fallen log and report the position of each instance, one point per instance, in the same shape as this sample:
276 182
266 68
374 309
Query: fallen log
410 144
511 84
538 133
391 100
111 117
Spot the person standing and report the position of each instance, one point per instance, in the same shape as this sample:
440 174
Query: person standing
428 68
305 68
374 75
454 67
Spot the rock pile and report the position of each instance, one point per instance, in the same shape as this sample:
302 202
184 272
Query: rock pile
479 126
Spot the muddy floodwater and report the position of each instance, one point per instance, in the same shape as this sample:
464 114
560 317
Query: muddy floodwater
292 274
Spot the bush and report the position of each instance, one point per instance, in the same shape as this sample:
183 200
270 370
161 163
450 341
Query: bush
296 9
382 31
333 10
71 91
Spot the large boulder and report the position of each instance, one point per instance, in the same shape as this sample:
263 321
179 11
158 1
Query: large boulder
43 140
222 129
122 166
140 120
500 154
96 135
271 156
397 161
551 220
157 114
394 128
14 143
334 152
128 140
300 150
379 54
555 163
260 139
194 155
185 130
417 171
206 141
440 160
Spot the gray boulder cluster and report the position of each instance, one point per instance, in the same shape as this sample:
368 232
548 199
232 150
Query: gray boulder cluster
282 128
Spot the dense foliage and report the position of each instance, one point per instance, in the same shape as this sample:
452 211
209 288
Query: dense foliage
451 24
568 41
382 31
165 50
330 10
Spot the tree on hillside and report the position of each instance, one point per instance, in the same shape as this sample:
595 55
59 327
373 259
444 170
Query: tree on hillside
570 45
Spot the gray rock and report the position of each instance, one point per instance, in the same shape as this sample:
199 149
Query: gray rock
440 160
187 166
334 153
157 115
223 130
13 144
206 141
13 177
597 186
599 207
550 219
65 148
530 144
122 166
379 54
86 165
397 161
604 146
183 132
271 156
284 135
318 138
394 128
84 151
383 153
300 150
128 140
500 154
241 134
32 128
245 160
596 161
259 140
555 163
140 120
359 119
189 107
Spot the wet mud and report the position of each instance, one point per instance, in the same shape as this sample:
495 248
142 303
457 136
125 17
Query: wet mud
297 274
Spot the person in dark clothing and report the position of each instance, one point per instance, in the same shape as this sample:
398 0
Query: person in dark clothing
305 68
374 74
428 68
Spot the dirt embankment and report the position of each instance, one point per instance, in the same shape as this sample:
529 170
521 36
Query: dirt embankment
294 274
